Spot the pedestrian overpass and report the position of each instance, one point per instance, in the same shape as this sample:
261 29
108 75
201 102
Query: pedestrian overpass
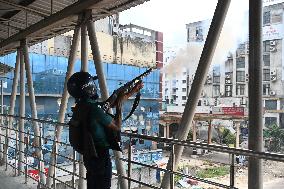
28 22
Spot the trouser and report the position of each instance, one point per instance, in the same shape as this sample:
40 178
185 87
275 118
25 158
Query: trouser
99 170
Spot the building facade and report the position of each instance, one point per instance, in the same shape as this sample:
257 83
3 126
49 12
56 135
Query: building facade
127 51
227 83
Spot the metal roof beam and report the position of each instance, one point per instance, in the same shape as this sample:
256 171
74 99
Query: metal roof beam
47 23
34 11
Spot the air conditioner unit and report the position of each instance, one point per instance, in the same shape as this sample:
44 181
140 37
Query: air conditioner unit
228 81
228 76
272 43
273 78
272 49
209 81
272 93
273 72
203 94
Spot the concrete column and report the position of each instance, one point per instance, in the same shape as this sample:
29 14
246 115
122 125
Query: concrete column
167 130
84 48
63 105
22 114
199 80
33 108
255 141
103 87
209 140
194 137
237 125
84 67
12 103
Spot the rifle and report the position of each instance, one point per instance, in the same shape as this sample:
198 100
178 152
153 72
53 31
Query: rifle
127 87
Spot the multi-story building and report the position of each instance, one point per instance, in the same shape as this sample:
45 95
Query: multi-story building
227 83
126 51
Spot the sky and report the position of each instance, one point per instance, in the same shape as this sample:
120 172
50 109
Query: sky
169 16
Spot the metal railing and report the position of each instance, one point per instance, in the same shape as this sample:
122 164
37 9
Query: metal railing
70 174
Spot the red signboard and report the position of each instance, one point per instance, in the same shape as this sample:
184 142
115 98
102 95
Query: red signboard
35 173
235 111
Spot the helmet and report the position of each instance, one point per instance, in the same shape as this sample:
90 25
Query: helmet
82 85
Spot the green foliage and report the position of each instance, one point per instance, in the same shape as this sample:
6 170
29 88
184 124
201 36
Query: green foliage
225 137
190 136
228 137
275 135
213 172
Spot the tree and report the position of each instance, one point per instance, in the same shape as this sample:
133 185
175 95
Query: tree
275 135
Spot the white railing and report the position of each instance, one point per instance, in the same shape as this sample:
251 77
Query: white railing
68 174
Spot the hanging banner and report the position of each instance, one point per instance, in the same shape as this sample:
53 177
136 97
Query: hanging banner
272 32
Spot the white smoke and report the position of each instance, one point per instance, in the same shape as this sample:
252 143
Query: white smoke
234 32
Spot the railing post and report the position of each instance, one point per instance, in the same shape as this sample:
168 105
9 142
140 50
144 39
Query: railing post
16 152
26 154
129 171
232 171
74 169
172 179
1 144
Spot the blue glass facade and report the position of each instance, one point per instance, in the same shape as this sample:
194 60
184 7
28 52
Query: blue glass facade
48 78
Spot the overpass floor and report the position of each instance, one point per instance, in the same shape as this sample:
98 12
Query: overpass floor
9 181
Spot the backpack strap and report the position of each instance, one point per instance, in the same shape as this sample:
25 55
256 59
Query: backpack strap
88 141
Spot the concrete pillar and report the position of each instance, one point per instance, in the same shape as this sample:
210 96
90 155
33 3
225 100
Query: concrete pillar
12 103
22 114
255 140
33 108
84 67
209 140
63 105
103 87
199 80
237 125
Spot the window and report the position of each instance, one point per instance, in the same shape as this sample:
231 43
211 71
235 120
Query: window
266 46
240 89
266 59
183 89
271 104
199 34
241 76
240 62
270 121
183 81
266 18
266 89
216 79
266 75
228 90
199 103
276 17
216 90
183 97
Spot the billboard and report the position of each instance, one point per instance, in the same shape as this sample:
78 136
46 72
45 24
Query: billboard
234 111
